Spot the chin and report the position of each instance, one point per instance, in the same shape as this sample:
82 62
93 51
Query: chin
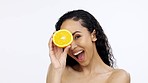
84 63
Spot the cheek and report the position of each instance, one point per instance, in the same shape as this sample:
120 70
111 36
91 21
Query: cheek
89 47
84 41
70 54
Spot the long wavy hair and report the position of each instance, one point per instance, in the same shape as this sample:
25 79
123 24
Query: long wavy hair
103 47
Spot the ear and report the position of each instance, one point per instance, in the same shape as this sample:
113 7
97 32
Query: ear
93 36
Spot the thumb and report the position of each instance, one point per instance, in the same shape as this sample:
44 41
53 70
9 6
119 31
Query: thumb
64 54
66 50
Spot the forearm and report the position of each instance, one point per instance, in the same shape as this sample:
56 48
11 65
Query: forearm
54 75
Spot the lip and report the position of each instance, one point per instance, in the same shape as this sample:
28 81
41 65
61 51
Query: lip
80 56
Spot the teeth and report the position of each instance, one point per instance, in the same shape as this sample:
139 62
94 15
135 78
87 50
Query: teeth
78 52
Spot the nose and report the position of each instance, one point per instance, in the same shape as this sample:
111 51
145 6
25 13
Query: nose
73 45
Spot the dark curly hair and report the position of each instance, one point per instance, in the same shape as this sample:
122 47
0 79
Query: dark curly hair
103 47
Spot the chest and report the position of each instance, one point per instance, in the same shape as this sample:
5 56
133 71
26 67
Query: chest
86 79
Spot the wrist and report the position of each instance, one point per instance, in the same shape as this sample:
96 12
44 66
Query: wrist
54 75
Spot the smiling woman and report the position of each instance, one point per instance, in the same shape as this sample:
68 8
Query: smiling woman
89 58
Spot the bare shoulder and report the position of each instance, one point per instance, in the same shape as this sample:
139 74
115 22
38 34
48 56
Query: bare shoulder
119 76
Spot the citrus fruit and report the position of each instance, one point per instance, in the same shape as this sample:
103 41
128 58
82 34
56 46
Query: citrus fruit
62 38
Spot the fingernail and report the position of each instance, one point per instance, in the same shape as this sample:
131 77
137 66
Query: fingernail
69 46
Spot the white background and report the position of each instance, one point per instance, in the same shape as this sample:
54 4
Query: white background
26 26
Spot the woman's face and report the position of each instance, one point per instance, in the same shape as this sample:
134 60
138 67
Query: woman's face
82 47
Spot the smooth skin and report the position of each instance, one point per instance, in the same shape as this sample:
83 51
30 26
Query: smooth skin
91 68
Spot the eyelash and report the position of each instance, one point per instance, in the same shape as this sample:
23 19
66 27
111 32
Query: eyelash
77 36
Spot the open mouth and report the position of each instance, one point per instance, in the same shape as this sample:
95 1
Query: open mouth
79 55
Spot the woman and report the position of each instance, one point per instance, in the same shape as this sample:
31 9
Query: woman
89 58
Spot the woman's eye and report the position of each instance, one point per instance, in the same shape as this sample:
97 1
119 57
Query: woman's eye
76 37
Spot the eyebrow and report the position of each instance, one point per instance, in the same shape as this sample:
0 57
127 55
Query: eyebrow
76 32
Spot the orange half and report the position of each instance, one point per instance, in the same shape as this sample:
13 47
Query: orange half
62 38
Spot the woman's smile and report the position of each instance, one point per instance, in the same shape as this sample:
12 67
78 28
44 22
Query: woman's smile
79 56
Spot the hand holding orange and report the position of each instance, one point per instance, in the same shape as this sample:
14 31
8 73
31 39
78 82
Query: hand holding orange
62 38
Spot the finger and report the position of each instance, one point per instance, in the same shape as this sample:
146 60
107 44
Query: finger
51 44
51 53
64 55
66 50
